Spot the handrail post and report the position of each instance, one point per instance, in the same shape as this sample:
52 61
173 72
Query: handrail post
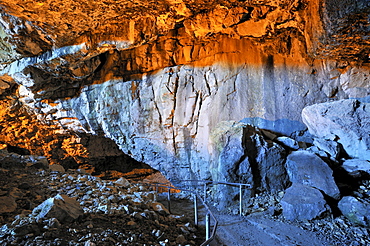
208 225
169 199
205 192
195 209
240 200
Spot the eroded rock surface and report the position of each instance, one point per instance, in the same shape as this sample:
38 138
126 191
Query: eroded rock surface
346 121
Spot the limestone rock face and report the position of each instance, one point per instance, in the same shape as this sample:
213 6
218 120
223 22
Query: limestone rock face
348 121
157 80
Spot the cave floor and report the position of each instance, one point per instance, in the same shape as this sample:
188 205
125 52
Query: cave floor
254 229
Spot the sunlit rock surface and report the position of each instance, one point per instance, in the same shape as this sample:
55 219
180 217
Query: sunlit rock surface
156 80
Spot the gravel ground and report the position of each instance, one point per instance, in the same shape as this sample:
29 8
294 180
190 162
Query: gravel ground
124 215
113 215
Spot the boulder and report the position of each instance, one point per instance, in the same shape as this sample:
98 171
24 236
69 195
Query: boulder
347 121
247 157
61 207
315 150
302 202
306 168
355 167
270 173
354 210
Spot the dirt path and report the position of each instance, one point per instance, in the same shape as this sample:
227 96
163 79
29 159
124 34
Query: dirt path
257 230
252 230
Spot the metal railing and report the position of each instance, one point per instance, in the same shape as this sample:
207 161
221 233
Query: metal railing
209 235
207 182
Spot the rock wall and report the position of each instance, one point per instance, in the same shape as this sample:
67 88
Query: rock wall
175 83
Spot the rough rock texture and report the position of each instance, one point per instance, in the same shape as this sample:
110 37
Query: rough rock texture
61 207
308 169
356 211
98 81
356 167
302 202
346 121
332 148
246 157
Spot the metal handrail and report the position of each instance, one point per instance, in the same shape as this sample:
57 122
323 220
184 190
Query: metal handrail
240 185
209 237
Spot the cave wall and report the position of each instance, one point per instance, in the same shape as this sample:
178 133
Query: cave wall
167 81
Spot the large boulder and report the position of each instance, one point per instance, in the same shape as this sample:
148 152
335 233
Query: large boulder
306 168
61 207
354 210
346 121
247 157
302 202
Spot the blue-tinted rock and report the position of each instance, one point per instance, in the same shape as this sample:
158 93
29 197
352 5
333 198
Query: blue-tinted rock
306 168
302 202
356 167
346 120
354 210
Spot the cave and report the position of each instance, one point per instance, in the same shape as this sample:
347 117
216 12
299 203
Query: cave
261 108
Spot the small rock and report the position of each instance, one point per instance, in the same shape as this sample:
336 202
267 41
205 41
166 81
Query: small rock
89 243
122 182
54 223
61 207
57 168
7 204
160 208
288 142
131 223
180 239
